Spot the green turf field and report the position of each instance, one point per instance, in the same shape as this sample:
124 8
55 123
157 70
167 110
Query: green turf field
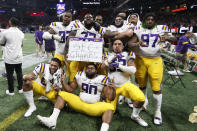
178 103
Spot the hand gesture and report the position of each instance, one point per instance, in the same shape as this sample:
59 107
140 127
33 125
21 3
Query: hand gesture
111 84
56 88
63 76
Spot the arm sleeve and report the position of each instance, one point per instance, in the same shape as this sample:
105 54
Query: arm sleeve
47 36
187 43
190 45
128 69
2 40
39 69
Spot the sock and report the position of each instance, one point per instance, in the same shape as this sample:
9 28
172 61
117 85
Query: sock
158 99
146 99
145 93
136 111
104 127
29 97
55 114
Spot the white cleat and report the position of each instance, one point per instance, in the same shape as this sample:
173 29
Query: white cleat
47 121
30 111
157 118
139 120
121 100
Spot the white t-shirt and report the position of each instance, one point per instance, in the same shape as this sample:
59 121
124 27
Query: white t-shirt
13 40
1 30
90 89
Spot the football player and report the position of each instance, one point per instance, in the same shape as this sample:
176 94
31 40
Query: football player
47 84
120 27
121 66
148 61
59 32
133 20
88 102
99 19
86 29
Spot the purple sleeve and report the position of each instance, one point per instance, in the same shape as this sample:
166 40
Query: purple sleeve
190 45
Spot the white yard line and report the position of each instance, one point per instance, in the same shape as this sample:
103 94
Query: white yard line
28 61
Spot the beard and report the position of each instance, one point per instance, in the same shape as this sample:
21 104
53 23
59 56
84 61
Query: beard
88 26
119 25
90 75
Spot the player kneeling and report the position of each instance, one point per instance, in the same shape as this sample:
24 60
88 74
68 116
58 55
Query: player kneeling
88 102
121 66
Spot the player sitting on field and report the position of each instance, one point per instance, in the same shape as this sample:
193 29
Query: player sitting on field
88 102
47 84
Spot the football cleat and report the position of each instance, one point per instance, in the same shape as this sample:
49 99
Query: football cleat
47 121
139 120
157 118
30 111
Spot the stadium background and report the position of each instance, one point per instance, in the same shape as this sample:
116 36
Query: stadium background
178 102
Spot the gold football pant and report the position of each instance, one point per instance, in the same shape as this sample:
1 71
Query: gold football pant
39 89
92 109
129 90
149 68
